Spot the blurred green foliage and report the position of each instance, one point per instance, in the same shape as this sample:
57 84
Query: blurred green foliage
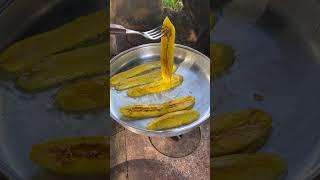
175 5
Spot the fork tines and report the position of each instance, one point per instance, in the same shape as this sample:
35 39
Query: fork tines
157 32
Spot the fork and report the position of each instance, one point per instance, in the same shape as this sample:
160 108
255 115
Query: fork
152 34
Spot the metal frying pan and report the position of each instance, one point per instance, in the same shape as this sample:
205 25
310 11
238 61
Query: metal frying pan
26 119
192 65
277 45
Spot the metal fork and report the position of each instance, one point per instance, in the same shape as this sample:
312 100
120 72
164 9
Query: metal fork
153 34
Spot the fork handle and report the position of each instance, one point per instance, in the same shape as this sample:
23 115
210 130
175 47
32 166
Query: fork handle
117 29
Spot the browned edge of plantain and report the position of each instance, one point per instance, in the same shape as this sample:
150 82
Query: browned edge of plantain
138 111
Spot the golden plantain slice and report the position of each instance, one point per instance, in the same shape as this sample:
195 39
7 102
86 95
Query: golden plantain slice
222 58
23 54
154 110
139 80
173 120
81 156
84 95
155 87
167 50
118 78
66 66
257 166
239 131
147 78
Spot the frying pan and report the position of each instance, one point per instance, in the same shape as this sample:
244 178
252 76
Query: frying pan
27 119
277 46
191 64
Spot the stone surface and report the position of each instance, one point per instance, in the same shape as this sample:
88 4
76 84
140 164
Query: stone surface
178 146
118 156
116 128
140 160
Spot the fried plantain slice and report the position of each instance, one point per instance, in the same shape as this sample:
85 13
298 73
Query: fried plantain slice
242 131
118 78
83 95
23 54
173 120
64 67
154 110
147 78
262 166
155 87
222 58
80 156
167 50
